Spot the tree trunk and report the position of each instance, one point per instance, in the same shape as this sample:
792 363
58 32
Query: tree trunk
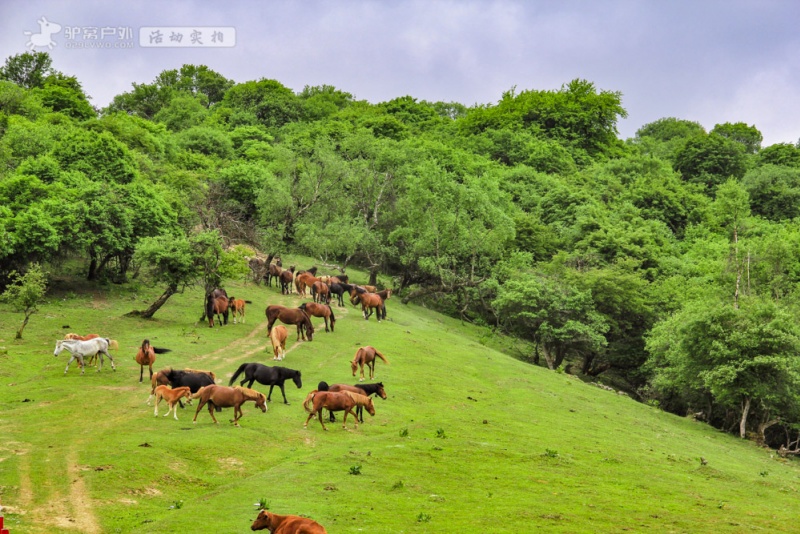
743 422
762 427
92 269
22 327
154 307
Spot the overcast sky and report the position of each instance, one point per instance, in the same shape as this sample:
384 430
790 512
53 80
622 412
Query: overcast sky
706 61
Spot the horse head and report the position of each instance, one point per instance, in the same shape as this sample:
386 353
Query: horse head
59 347
297 380
261 402
381 391
370 407
354 367
145 346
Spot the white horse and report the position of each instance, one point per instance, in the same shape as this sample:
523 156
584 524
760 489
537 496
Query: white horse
78 349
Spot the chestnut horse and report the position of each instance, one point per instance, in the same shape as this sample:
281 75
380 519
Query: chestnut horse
217 304
362 389
366 356
173 397
236 306
226 397
335 402
285 279
294 316
373 301
147 356
274 271
320 292
319 310
278 338
286 524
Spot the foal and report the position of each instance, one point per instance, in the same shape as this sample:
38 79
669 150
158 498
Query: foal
172 396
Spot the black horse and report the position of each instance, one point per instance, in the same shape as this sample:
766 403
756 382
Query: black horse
269 376
339 290
364 389
194 381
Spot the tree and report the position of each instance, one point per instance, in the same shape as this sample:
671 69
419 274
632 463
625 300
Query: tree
748 136
28 69
780 154
710 160
26 292
774 191
169 260
732 208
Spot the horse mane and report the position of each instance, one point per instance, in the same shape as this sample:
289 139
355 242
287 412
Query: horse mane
250 394
359 399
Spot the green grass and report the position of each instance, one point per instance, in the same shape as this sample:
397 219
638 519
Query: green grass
469 440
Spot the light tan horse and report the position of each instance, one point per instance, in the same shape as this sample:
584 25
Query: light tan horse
366 356
172 396
227 397
278 338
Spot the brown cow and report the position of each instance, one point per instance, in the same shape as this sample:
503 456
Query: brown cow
286 524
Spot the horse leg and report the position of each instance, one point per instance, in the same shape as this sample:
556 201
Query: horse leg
199 407
155 409
151 373
270 392
283 393
211 411
319 416
141 373
174 410
326 324
113 367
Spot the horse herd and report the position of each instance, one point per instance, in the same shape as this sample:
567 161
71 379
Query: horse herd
176 386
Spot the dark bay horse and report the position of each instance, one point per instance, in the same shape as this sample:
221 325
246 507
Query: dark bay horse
320 292
285 278
335 402
147 356
226 397
363 389
366 356
338 289
217 304
294 316
319 310
274 272
269 376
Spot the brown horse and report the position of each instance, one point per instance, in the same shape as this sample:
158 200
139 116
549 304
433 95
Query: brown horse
285 279
217 304
321 293
294 316
286 524
274 271
147 356
278 337
366 356
236 306
335 402
304 280
319 310
362 389
373 301
226 397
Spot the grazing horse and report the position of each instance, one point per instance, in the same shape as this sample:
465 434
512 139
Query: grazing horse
366 356
180 377
294 316
173 397
319 310
278 337
286 524
371 302
80 349
236 307
226 397
268 376
362 389
285 278
217 305
147 356
335 402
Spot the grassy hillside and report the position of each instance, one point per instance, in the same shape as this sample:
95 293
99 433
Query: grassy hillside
469 440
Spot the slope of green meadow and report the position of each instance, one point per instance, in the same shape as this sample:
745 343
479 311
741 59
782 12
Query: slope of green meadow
469 440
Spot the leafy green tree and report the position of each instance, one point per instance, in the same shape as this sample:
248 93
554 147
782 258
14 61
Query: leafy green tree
26 292
774 191
182 112
197 80
732 209
559 318
28 69
272 103
748 136
740 360
100 157
780 154
168 261
710 160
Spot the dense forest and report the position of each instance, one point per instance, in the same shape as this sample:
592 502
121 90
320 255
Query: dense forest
667 264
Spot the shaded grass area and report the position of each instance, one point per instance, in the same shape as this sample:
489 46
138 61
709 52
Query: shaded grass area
469 439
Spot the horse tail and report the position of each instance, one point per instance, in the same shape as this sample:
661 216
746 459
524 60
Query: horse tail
158 350
333 317
112 343
381 356
248 302
237 373
199 392
308 403
210 307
